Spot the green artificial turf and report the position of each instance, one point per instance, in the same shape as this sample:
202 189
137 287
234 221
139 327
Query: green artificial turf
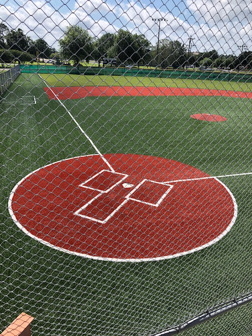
72 295
82 80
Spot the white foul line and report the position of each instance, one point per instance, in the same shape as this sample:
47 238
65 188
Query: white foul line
81 129
179 254
207 177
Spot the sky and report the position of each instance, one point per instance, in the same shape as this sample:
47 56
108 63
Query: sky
222 25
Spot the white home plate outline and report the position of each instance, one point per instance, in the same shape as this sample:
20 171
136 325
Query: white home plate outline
103 190
149 203
85 184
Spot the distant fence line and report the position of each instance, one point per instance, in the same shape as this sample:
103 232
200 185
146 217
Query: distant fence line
182 74
8 77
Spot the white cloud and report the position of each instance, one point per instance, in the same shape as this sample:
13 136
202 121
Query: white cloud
36 18
229 22
223 25
39 19
216 11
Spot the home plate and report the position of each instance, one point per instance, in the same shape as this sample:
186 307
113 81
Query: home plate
127 185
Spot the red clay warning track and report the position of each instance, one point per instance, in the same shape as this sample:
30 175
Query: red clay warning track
148 208
76 92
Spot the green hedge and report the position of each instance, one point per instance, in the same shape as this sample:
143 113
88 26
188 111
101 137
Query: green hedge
8 56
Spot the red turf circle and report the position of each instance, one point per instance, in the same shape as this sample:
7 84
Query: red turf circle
208 117
147 208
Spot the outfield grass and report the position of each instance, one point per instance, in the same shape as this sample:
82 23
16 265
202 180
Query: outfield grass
69 294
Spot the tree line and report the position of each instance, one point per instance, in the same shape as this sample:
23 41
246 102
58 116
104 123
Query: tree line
123 47
16 46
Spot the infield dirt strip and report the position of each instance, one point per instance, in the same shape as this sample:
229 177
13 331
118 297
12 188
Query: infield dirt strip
148 208
77 92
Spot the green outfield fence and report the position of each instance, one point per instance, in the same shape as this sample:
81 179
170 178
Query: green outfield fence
126 204
115 71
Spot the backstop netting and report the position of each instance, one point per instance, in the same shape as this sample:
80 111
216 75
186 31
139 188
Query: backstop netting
126 132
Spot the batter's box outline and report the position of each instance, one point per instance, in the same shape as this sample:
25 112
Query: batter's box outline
87 184
159 200
129 197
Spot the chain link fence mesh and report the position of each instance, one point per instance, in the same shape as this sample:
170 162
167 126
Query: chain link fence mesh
126 166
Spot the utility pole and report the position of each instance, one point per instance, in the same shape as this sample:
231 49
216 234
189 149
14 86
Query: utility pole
190 44
243 47
159 23
190 41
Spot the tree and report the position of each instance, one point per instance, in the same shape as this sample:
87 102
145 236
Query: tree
212 54
206 62
142 49
244 60
103 45
6 56
224 61
3 32
17 40
76 44
172 53
56 56
9 56
42 48
130 48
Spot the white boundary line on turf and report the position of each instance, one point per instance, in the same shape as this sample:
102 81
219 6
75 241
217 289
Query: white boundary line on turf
83 255
83 185
159 201
23 101
126 198
78 125
102 192
208 177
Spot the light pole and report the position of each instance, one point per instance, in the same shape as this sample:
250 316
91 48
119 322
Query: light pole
189 49
159 23
190 44
243 47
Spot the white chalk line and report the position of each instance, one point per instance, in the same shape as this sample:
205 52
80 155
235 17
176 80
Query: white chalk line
208 177
126 198
25 100
133 260
80 128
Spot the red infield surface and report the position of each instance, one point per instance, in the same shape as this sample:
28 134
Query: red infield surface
77 92
148 208
208 117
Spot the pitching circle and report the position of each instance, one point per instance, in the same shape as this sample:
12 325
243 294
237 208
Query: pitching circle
148 208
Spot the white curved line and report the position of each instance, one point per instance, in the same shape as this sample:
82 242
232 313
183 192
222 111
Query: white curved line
118 259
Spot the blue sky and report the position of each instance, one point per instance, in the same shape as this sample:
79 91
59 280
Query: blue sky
223 25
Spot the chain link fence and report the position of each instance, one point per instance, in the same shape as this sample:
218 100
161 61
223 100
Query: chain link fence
8 76
126 167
